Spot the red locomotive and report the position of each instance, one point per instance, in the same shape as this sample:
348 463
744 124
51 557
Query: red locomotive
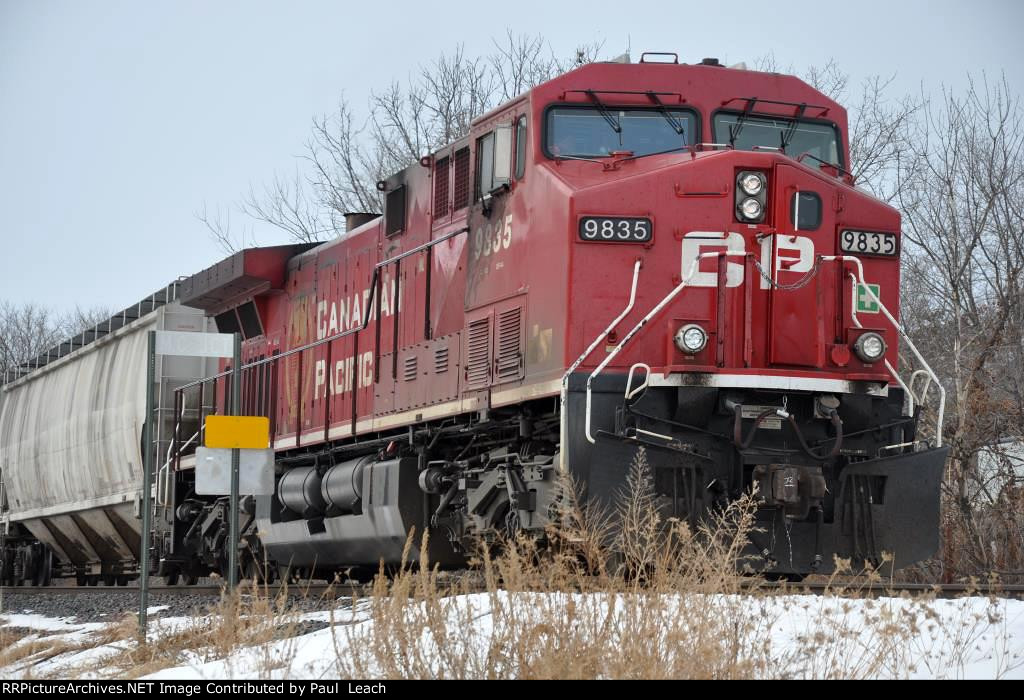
649 256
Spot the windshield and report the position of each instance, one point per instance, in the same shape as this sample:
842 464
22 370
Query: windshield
588 133
820 140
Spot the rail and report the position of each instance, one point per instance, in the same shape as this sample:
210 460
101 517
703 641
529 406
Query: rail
260 397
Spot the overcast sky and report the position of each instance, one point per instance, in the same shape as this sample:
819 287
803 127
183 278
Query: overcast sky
118 120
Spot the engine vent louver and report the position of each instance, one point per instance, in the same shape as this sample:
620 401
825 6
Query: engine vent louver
409 369
441 188
510 344
461 191
478 352
441 360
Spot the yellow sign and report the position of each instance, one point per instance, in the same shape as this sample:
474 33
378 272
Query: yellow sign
245 432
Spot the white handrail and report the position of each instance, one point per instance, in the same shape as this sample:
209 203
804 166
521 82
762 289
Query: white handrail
630 392
910 343
636 329
888 365
586 353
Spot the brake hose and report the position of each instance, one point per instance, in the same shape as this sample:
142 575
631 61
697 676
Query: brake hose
837 423
737 429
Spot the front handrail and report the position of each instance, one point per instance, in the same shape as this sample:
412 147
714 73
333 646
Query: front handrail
593 346
856 321
933 377
636 329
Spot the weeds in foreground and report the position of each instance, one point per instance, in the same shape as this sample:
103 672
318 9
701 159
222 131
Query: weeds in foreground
633 594
659 599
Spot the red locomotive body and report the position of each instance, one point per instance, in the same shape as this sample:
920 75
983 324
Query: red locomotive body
658 257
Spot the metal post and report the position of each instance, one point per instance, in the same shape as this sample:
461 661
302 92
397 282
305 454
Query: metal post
236 400
147 487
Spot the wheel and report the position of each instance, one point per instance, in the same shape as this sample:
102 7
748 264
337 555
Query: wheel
190 579
45 575
80 579
93 580
171 579
122 580
109 579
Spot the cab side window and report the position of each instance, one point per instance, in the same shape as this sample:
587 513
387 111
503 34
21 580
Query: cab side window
493 160
521 147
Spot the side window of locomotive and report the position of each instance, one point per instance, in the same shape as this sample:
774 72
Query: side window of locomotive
521 147
394 211
493 160
589 132
805 211
818 139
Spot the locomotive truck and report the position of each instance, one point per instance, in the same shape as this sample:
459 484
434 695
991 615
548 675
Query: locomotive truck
655 257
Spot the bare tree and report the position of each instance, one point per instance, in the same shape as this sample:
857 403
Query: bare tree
346 156
962 197
28 330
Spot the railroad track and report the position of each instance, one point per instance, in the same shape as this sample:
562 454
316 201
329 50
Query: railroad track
297 589
309 590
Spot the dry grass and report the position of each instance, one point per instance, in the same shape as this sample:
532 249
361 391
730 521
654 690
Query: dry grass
658 600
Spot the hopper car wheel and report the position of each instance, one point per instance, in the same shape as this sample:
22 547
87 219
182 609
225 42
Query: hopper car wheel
190 579
80 579
109 579
122 580
93 580
171 579
44 569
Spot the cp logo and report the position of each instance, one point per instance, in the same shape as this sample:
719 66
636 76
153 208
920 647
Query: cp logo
792 254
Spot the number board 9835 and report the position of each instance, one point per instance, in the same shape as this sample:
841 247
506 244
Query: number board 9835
868 243
615 229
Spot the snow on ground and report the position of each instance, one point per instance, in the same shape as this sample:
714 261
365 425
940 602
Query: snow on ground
804 636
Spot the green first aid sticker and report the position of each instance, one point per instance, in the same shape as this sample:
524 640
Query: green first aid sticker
865 303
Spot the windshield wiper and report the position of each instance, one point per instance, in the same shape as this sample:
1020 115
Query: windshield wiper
655 153
589 160
735 129
612 121
787 135
663 108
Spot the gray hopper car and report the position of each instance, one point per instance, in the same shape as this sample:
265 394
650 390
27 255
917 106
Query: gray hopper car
71 426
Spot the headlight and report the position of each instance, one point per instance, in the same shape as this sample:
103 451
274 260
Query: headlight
752 184
869 347
691 339
750 208
751 196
